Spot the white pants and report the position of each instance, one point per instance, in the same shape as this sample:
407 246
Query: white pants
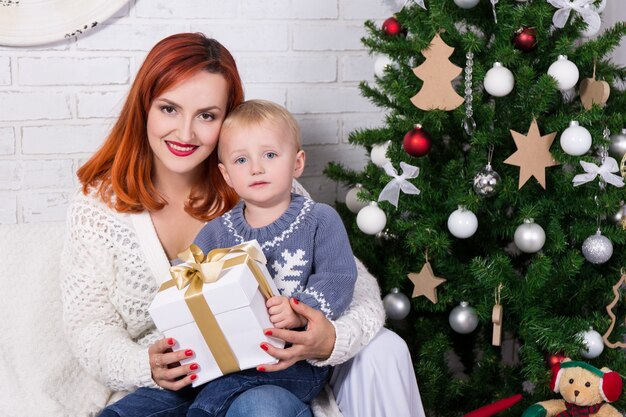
379 381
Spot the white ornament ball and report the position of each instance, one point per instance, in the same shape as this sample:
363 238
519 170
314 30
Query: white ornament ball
371 219
463 318
397 305
462 223
593 342
466 4
597 249
381 63
379 154
575 140
499 80
564 72
352 200
617 148
529 236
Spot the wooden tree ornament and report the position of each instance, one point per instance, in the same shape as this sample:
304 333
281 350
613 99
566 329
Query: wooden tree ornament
437 72
594 92
609 309
496 318
425 282
533 154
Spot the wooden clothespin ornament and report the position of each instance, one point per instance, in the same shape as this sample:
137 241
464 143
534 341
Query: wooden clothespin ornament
496 318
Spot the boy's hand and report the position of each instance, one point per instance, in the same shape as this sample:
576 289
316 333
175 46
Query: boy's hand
282 315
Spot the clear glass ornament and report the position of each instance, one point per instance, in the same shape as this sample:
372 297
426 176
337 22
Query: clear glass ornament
487 181
469 125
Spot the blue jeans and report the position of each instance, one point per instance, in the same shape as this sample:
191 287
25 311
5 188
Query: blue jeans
283 394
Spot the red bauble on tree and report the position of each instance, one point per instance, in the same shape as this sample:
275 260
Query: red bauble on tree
392 27
525 39
553 359
417 141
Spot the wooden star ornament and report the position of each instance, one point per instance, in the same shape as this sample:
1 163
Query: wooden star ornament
426 283
533 154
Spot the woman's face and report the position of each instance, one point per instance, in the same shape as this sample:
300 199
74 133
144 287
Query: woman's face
184 124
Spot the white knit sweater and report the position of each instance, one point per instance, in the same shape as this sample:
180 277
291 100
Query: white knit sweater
111 268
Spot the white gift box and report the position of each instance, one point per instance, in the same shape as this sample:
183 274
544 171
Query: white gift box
239 309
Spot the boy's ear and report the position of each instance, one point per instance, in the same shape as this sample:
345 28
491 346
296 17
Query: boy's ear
225 174
299 165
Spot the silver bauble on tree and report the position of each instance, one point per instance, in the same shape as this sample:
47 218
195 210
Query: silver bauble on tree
353 202
620 214
371 219
617 148
397 305
564 72
487 182
529 237
463 318
378 154
597 248
594 345
466 4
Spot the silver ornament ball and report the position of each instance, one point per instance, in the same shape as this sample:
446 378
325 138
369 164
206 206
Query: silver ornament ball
466 4
594 345
353 202
487 182
529 237
617 148
620 214
597 249
463 318
397 305
371 219
565 72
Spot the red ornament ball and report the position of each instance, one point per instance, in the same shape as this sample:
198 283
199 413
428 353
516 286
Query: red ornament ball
525 39
417 141
392 27
554 359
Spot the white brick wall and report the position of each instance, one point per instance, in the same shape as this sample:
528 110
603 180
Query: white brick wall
58 101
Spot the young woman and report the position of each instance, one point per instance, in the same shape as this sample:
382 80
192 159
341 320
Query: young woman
145 195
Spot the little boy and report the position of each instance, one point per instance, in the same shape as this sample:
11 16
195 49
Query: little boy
305 243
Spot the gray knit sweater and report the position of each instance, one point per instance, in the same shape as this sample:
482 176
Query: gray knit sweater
307 249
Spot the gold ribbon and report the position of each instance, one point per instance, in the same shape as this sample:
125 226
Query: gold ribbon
198 270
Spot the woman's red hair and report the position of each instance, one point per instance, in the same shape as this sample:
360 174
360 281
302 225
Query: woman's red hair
121 169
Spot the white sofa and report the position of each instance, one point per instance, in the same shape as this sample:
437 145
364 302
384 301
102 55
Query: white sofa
37 370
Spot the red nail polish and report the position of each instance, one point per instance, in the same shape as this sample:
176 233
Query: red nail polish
261 368
295 301
193 366
268 333
264 346
193 377
170 341
189 352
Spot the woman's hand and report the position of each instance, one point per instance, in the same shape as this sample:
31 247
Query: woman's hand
165 365
316 342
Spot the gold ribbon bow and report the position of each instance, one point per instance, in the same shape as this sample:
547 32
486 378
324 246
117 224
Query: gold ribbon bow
198 270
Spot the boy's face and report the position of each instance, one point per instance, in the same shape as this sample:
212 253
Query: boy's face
259 161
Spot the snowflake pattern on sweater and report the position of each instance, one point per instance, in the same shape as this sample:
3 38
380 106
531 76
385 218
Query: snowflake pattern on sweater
307 249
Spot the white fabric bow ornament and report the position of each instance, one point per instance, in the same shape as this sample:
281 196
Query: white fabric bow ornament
585 8
391 192
418 2
604 171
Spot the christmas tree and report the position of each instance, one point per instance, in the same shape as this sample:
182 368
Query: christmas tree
498 215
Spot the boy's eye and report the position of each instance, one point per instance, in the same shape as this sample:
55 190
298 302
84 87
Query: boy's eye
207 116
240 160
168 109
271 155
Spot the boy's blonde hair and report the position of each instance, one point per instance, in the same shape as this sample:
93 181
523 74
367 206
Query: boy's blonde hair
259 111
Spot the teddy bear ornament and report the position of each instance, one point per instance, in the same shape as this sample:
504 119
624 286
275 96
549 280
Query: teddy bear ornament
585 391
